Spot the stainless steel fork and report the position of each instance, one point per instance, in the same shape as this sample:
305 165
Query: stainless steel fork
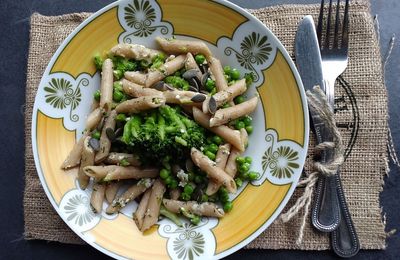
333 41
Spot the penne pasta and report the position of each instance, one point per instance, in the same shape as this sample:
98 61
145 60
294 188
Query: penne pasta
113 172
244 136
87 159
97 197
213 172
229 135
220 161
206 209
225 115
134 51
94 119
106 86
174 194
111 191
191 64
153 206
74 157
136 77
166 69
136 90
175 46
129 195
138 216
140 104
105 143
231 166
218 73
122 158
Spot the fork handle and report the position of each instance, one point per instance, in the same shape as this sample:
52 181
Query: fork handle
344 240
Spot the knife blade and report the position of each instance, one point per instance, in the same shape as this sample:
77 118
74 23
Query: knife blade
326 211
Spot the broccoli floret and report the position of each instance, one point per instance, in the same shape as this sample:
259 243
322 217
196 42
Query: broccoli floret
177 82
121 65
249 78
158 60
98 61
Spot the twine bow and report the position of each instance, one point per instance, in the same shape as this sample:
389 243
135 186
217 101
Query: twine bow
317 103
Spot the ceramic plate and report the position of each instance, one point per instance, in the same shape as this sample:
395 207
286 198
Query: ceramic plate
278 144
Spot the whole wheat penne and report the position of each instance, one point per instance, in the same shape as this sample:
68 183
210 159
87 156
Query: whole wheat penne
111 190
136 77
94 118
122 158
213 172
231 166
137 105
138 216
136 90
74 157
225 115
220 161
191 64
153 206
129 195
229 135
174 194
218 73
97 197
106 86
244 136
206 209
176 46
228 94
166 69
87 159
105 143
114 172
134 51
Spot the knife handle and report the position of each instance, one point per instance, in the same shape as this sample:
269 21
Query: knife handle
325 215
344 240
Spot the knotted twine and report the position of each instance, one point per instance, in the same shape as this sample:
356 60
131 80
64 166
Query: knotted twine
318 103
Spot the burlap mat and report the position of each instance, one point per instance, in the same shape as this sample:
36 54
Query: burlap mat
361 114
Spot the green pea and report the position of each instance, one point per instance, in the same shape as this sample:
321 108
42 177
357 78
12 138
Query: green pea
222 190
164 173
224 197
210 85
253 176
210 155
118 74
96 135
185 196
118 86
173 184
195 220
213 148
188 189
244 175
247 120
249 129
204 198
239 182
120 118
118 96
239 125
248 159
239 99
200 59
168 180
227 70
244 167
97 95
217 140
228 206
209 140
235 74
240 160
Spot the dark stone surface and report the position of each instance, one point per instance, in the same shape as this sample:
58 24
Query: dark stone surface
14 41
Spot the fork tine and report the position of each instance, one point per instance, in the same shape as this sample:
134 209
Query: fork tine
335 35
328 26
345 32
320 19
